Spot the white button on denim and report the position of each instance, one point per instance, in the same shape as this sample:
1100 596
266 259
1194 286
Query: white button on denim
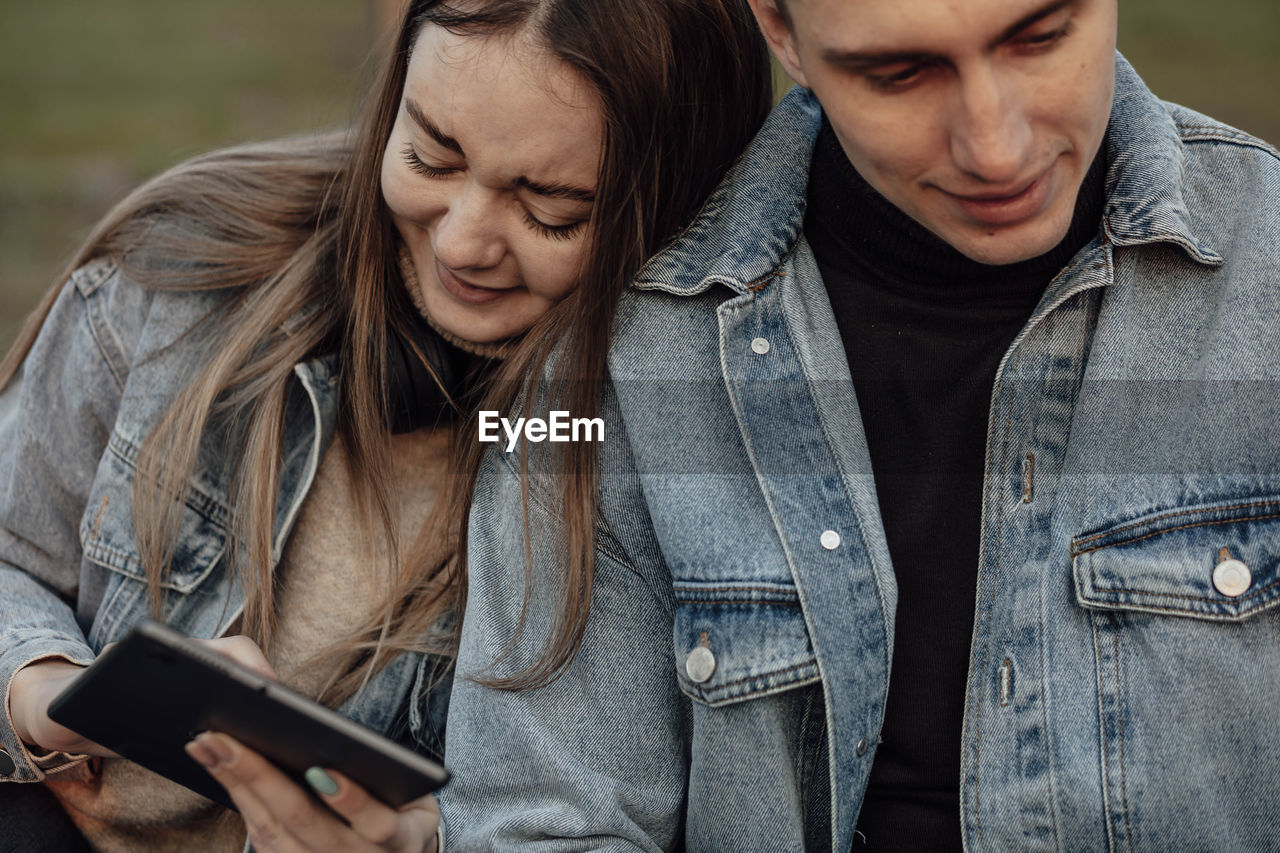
830 540
700 665
760 346
1232 577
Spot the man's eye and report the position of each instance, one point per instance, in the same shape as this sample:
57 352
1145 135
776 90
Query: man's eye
416 163
1037 41
901 78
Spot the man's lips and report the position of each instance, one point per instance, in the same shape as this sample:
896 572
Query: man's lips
1006 207
465 291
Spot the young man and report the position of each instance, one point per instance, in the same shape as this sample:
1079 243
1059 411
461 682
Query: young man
941 495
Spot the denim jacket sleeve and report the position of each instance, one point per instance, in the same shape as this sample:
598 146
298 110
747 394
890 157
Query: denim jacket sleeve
549 768
55 419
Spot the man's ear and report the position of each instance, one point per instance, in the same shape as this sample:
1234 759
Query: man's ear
776 27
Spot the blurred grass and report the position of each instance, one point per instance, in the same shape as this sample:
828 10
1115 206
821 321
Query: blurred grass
96 96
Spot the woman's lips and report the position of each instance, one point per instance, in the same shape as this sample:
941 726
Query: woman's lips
464 291
1007 209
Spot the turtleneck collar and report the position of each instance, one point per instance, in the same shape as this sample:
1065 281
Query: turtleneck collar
408 272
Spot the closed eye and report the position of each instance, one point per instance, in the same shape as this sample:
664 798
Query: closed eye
902 78
417 164
554 232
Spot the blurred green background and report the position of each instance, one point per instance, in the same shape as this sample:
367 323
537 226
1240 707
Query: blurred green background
96 96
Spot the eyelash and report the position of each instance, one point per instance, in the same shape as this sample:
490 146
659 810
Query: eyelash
416 164
553 232
1045 40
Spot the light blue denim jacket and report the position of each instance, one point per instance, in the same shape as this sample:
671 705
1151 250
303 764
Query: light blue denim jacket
109 360
1123 692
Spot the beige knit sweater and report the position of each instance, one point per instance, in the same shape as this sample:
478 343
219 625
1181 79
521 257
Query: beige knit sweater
326 589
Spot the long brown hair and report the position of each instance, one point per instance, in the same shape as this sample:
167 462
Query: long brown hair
297 235
684 84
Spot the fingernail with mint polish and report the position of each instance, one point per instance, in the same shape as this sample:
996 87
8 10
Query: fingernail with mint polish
323 783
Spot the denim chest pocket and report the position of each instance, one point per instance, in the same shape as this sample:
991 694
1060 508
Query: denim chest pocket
1219 562
735 642
107 532
1184 629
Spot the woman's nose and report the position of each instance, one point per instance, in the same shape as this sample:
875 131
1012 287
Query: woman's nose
466 236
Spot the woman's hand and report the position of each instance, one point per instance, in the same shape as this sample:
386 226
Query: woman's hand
35 686
282 818
33 689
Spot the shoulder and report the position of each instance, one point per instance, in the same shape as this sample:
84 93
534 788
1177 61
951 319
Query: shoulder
1195 129
126 323
1220 156
1231 187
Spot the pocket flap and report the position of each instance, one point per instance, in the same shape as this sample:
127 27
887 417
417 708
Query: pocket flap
109 539
1165 562
737 642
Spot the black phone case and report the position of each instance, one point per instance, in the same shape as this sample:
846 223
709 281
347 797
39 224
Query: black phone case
155 690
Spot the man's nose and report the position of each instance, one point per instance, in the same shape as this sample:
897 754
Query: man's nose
991 135
466 234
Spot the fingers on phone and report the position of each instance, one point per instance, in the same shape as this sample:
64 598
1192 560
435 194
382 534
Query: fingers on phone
278 814
370 818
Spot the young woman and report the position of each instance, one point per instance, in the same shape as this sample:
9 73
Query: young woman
242 413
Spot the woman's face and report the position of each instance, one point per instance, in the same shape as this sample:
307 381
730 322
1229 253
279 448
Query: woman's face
490 175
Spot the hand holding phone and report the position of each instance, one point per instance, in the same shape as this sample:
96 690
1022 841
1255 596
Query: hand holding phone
150 694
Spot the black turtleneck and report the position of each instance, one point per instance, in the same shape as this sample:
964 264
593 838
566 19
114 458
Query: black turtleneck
924 328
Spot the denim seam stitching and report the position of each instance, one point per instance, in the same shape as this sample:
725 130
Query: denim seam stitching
857 525
986 645
741 602
101 330
1077 550
1124 789
1210 134
1102 741
197 499
1182 597
784 539
688 587
709 695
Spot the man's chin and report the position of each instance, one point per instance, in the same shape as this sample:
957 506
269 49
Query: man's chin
1003 246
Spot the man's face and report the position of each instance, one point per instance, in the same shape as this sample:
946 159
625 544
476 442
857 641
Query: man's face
977 118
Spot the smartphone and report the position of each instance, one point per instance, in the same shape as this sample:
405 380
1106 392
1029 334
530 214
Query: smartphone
155 690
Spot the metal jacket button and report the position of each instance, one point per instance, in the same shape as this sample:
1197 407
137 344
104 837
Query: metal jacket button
862 747
830 540
760 346
700 665
1232 577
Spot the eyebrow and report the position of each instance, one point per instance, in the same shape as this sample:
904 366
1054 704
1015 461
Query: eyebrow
429 127
856 60
549 190
556 190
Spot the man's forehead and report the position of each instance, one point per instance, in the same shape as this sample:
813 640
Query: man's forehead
926 25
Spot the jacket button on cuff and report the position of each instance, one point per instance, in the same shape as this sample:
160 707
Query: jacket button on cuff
700 665
760 346
6 764
862 747
1232 578
830 540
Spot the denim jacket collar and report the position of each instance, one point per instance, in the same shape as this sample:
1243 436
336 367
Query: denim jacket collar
1145 201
